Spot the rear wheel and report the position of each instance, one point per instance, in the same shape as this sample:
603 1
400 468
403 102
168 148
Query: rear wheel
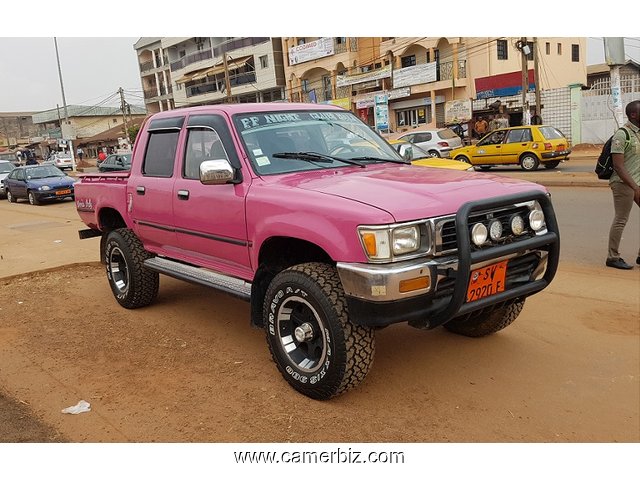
131 283
551 165
529 162
10 197
485 323
434 153
316 348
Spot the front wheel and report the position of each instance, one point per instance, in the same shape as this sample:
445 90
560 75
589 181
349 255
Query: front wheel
462 158
315 346
33 200
529 162
131 283
485 323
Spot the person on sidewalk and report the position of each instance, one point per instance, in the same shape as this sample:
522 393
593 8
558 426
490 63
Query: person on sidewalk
481 127
624 182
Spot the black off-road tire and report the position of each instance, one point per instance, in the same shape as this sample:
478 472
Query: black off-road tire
551 165
339 353
131 283
485 323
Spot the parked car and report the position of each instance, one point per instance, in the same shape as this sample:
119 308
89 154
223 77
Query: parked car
6 167
38 183
420 157
527 146
438 143
115 163
61 160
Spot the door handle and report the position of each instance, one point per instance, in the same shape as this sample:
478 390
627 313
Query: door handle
140 190
183 194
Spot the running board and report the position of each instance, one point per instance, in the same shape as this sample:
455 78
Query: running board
234 286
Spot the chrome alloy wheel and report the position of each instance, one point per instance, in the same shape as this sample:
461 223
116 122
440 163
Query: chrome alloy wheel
118 269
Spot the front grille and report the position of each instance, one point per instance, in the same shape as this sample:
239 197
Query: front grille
446 238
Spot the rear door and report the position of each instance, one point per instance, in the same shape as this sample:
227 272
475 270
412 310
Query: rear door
210 219
150 186
518 140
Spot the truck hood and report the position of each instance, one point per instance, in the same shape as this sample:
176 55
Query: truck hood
408 192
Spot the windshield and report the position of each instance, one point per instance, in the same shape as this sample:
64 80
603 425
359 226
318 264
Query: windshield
44 171
320 135
6 167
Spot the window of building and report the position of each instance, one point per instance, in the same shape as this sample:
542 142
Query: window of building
264 61
378 65
115 120
160 154
502 46
428 56
301 41
559 49
408 61
202 144
575 53
305 85
547 48
182 53
341 40
326 87
413 116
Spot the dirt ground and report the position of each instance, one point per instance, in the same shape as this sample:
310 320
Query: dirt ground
189 368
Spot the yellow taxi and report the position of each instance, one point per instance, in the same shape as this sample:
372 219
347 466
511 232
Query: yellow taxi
421 157
527 146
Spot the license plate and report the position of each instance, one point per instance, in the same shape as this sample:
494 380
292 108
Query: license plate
487 281
63 192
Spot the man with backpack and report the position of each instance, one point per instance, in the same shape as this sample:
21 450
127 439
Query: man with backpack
624 181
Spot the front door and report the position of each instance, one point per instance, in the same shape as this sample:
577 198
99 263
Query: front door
488 151
210 219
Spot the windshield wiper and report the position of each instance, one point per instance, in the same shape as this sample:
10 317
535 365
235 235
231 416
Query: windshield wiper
317 157
378 159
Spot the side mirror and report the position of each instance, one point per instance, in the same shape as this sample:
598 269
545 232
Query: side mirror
216 172
406 152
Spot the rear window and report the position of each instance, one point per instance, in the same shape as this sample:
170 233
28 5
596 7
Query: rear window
551 133
161 153
447 133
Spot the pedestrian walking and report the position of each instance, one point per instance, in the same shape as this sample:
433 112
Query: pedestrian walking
80 153
624 182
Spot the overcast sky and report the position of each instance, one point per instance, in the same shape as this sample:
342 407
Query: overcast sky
94 68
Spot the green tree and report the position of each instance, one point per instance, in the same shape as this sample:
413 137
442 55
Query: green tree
133 133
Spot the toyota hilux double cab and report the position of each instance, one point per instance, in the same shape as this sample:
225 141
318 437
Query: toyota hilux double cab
329 241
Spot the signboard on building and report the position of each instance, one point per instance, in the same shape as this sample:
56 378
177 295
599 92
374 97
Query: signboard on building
457 111
346 80
368 100
341 102
414 75
323 47
381 112
502 85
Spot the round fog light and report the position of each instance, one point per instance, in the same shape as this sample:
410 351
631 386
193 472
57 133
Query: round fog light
536 220
479 234
495 230
517 225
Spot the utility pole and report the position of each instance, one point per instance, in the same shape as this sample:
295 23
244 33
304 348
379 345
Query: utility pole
123 107
66 112
614 55
524 49
536 78
227 81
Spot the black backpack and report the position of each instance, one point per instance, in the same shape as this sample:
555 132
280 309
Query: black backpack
604 167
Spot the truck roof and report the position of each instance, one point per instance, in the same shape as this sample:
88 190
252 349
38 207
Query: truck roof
248 108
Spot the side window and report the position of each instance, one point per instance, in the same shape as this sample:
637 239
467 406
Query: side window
20 175
519 135
422 137
160 154
202 144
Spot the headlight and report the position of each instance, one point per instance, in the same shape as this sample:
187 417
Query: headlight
517 224
495 230
479 234
44 188
405 240
536 218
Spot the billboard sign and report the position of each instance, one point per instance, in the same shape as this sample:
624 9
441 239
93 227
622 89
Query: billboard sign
323 47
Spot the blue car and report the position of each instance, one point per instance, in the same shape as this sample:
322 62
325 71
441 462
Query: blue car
38 183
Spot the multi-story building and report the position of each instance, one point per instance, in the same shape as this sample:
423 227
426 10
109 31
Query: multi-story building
17 129
209 70
419 75
155 74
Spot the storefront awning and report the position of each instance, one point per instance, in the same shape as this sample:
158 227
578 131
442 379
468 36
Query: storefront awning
240 62
187 77
209 72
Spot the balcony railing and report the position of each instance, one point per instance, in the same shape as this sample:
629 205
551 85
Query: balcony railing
153 92
146 66
202 89
237 43
218 84
189 59
445 72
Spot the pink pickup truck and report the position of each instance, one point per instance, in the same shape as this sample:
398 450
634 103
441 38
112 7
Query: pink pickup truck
314 219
